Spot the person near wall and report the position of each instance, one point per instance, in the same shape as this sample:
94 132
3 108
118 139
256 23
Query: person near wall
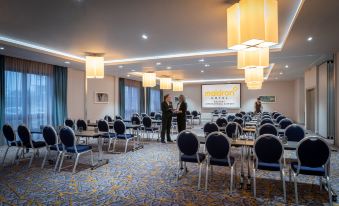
258 106
181 113
167 113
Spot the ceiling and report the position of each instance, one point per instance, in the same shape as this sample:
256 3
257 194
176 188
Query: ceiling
189 30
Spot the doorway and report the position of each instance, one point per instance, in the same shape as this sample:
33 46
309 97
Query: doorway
310 109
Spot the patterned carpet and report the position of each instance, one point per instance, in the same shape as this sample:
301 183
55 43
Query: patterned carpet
146 177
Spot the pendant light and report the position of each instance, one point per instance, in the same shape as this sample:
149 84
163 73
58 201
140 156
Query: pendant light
254 85
95 67
254 75
178 86
253 57
149 79
165 83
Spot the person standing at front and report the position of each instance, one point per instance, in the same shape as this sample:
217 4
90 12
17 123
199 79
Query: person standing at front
258 106
167 112
181 113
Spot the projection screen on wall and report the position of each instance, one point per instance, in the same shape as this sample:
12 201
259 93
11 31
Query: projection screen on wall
221 96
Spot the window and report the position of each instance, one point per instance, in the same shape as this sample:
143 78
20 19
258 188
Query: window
132 100
155 100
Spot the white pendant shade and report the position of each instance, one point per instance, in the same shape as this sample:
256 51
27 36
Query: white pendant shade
254 75
253 57
165 83
252 23
95 67
254 85
149 79
178 86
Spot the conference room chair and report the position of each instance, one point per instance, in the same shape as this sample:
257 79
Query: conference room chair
69 123
239 120
266 117
218 147
294 133
268 156
158 116
247 118
230 118
52 144
267 129
276 115
313 158
210 127
82 126
196 116
118 117
135 115
238 115
188 146
215 114
70 147
108 118
223 113
11 141
104 127
273 113
233 129
265 113
266 121
27 141
221 122
250 113
281 117
243 113
152 115
149 128
120 131
285 123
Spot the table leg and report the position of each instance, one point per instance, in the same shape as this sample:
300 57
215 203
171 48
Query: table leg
101 161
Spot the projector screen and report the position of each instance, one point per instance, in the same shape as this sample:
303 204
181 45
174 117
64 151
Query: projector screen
221 96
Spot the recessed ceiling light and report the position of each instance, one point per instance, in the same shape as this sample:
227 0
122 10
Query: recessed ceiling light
201 60
310 38
281 73
144 36
120 66
128 75
67 62
158 63
202 71
207 65
169 67
133 70
2 48
286 66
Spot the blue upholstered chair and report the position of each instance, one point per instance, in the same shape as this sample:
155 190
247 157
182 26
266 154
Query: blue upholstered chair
143 115
27 141
120 130
11 141
135 115
210 127
104 127
313 154
149 128
158 116
108 118
223 113
243 113
215 114
247 118
239 120
118 117
238 115
268 155
273 113
265 117
152 115
281 117
267 129
294 133
266 121
221 122
69 123
52 144
188 146
250 113
196 115
81 124
285 123
70 147
276 115
230 118
233 128
218 148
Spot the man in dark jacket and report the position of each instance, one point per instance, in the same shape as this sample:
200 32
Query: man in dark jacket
167 112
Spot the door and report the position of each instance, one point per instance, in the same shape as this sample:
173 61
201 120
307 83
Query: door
310 109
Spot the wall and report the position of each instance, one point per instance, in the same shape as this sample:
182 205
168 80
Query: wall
299 100
283 90
76 96
311 83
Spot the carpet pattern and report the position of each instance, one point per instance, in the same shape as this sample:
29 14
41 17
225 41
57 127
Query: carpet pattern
147 177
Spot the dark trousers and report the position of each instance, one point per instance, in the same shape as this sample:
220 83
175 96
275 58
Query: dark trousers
166 127
181 124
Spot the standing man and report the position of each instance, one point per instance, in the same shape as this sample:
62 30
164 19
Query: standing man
181 113
258 106
167 112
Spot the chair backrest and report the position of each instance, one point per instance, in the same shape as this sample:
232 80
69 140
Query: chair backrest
108 118
233 128
268 148
152 114
294 133
239 120
81 123
247 118
147 122
158 116
50 135
313 152
188 112
273 113
118 117
285 123
221 122
119 127
218 145
266 121
243 113
268 129
188 142
143 115
223 111
67 137
281 117
103 125
216 111
69 123
24 135
238 115
266 117
136 120
276 115
210 127
135 115
250 113
230 118
194 113
8 132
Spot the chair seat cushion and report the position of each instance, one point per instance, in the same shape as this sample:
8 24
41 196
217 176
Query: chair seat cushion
109 136
222 162
269 166
56 147
317 171
193 158
15 143
152 129
125 136
80 148
37 144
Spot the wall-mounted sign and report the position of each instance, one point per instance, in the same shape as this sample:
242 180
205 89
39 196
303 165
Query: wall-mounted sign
221 96
268 99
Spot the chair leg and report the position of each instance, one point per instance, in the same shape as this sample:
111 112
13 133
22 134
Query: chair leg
126 144
282 176
61 161
57 161
76 162
295 188
320 183
16 155
3 160
31 160
45 157
328 182
206 178
200 167
232 180
114 144
109 144
290 174
254 184
92 162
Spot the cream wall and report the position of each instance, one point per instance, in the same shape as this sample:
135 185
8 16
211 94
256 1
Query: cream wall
76 96
299 100
283 90
311 83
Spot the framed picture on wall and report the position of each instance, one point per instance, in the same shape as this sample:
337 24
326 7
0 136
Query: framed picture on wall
268 99
101 98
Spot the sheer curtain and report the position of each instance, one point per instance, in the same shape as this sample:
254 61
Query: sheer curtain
155 100
28 93
132 98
